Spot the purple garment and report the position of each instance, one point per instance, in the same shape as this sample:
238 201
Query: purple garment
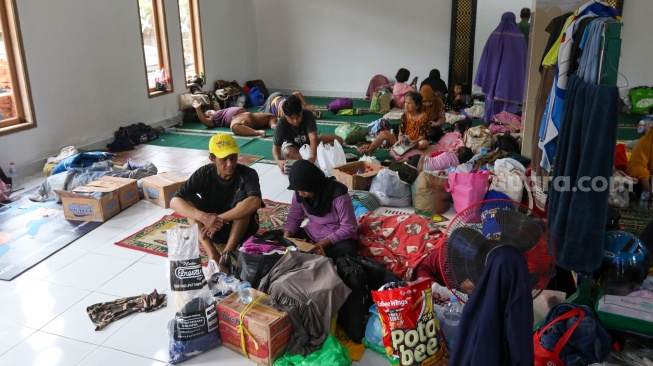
337 225
253 248
501 72
376 82
223 117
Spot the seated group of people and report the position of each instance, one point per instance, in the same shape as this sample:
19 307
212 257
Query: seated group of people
223 198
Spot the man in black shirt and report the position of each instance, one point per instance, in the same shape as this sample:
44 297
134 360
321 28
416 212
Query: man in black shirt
222 198
295 129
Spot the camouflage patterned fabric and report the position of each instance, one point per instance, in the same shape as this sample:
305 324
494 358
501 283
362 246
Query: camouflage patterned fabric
104 313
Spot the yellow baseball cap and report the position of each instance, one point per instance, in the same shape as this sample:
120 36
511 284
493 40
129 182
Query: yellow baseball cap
223 145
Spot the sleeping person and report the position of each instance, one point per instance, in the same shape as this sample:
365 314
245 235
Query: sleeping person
239 120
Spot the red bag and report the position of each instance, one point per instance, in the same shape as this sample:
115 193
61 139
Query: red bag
620 158
544 357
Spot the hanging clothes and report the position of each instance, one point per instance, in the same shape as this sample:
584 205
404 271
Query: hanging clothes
551 120
501 71
585 156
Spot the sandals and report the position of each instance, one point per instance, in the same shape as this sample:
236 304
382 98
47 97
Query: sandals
318 114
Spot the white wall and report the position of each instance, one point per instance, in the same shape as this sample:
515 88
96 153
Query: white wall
333 48
87 75
488 17
636 47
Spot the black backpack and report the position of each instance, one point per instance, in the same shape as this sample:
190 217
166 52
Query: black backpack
260 85
351 316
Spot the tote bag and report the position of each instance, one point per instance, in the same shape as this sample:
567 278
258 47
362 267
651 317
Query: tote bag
467 188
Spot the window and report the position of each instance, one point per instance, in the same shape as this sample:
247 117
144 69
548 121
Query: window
155 46
191 38
15 100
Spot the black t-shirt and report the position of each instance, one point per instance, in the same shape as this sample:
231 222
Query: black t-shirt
285 132
210 193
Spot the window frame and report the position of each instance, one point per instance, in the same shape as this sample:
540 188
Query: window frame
163 51
196 39
24 118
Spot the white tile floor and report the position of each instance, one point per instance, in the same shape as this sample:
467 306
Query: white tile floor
43 320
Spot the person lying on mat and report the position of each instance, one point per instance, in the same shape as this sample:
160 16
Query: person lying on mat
295 129
239 120
414 124
326 203
222 198
274 104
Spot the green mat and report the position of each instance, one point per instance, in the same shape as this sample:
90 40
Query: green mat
197 136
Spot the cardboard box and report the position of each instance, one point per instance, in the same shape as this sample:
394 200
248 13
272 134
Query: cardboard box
159 189
356 181
81 205
270 328
127 190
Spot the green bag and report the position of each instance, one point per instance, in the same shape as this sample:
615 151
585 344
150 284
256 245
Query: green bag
381 102
642 99
332 354
351 133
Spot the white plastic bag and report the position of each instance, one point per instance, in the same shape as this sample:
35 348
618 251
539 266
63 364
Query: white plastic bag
390 190
370 159
194 326
329 156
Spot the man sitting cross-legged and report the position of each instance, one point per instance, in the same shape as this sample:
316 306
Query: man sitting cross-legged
222 198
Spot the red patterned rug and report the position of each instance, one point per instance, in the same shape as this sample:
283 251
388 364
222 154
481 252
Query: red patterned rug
152 239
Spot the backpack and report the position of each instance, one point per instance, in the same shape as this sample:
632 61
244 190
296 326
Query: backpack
260 85
135 134
351 315
255 97
478 138
341 103
350 133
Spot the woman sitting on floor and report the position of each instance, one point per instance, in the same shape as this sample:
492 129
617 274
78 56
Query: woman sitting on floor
239 120
414 124
327 205
433 106
275 102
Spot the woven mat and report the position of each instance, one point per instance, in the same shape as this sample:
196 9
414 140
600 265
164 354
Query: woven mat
152 239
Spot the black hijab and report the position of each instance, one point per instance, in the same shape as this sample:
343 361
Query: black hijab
306 176
435 82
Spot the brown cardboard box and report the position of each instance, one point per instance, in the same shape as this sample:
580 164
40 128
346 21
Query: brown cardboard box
159 189
356 181
127 190
80 205
270 328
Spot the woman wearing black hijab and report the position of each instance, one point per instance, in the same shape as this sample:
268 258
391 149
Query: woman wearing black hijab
435 82
325 202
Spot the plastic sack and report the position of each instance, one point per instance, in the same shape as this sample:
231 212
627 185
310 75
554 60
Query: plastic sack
390 190
637 357
478 138
429 195
332 353
642 100
373 329
467 188
370 159
255 97
411 332
328 157
194 327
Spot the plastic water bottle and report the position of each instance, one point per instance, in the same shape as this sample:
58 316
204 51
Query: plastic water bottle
451 321
643 200
170 130
11 174
245 292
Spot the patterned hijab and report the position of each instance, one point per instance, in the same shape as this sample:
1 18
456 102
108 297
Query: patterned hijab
432 111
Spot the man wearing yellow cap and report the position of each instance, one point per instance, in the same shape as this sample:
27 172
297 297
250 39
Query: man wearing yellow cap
222 198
